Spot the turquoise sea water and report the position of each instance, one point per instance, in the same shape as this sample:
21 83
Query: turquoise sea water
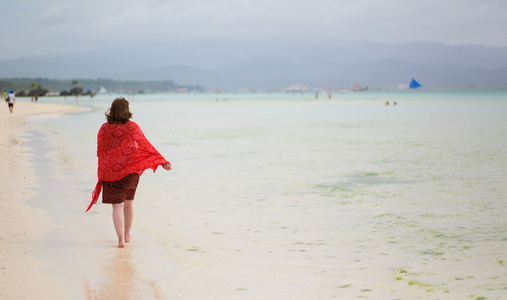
281 196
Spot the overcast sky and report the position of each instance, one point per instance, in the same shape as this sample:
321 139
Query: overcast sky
32 27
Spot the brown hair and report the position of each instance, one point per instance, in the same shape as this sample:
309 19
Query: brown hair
119 112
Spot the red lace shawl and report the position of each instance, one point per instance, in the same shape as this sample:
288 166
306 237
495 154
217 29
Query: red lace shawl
123 149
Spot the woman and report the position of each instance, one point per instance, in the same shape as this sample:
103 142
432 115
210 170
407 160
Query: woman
123 153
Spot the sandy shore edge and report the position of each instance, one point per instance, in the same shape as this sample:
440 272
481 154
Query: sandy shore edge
22 226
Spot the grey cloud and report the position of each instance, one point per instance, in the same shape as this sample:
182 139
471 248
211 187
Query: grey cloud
153 21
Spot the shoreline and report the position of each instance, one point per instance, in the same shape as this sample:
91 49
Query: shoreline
22 225
66 253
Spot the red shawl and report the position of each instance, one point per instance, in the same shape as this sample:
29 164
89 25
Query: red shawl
123 149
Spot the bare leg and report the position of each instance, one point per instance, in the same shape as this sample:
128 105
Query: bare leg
128 213
119 223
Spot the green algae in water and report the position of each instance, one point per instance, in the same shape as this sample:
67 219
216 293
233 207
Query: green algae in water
417 283
345 286
433 252
399 273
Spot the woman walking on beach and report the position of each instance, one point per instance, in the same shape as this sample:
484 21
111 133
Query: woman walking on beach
123 154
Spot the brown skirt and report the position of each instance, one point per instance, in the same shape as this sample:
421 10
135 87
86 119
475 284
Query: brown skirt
118 191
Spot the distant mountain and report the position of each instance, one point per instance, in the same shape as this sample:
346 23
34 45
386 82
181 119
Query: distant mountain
278 62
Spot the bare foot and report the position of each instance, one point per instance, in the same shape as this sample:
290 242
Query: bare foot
121 244
127 239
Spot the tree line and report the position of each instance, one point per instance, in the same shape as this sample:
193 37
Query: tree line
42 86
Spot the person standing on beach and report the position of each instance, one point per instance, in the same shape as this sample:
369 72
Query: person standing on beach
123 154
11 100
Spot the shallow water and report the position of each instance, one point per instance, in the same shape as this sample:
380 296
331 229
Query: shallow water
288 197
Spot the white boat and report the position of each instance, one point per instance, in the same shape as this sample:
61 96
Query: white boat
296 88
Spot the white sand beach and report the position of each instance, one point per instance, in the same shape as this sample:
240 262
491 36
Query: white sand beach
22 226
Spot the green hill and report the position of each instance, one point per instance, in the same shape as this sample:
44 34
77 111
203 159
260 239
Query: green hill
94 85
